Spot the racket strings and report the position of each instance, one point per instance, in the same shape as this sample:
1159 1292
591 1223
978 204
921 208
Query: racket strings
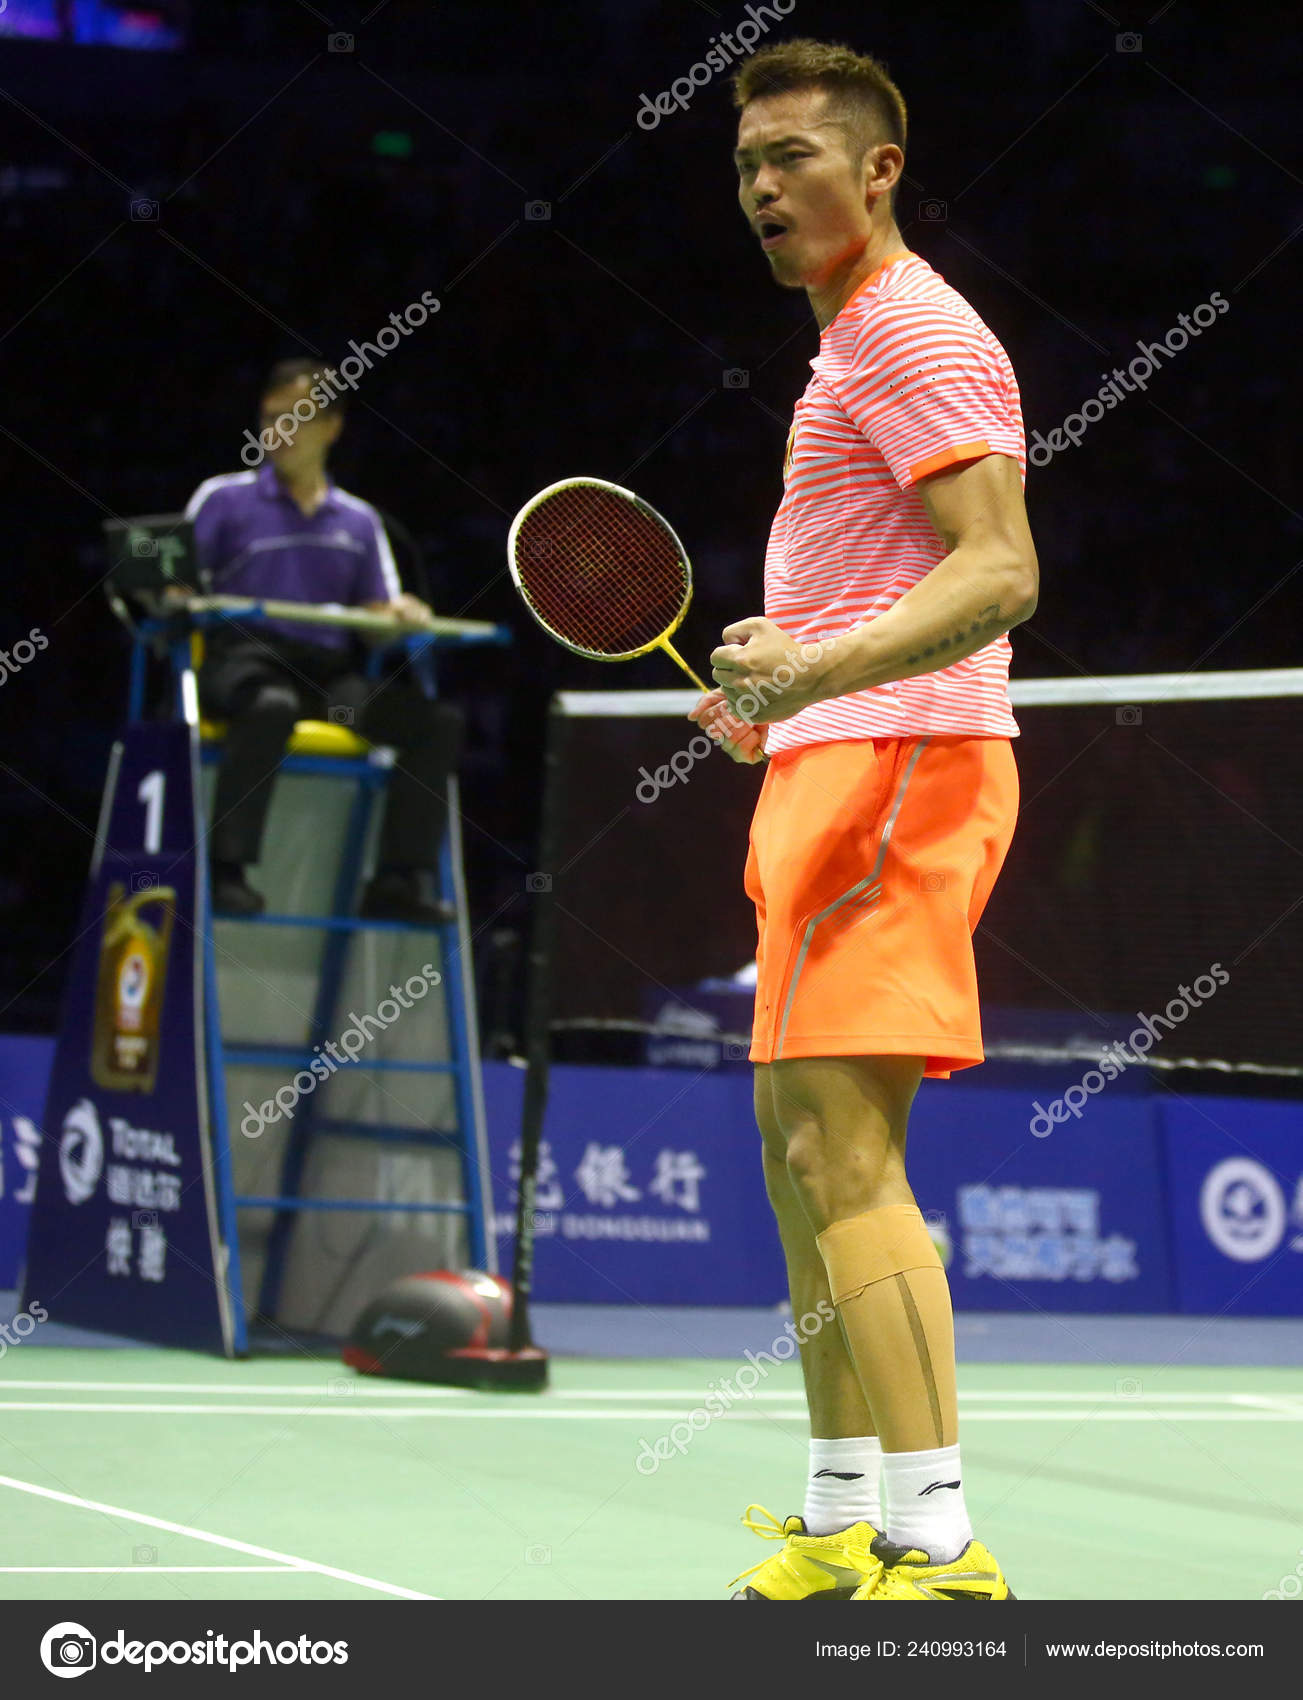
602 573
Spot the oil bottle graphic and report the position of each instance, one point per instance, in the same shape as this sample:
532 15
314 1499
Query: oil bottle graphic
129 989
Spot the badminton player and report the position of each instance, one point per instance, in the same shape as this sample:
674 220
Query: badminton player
876 683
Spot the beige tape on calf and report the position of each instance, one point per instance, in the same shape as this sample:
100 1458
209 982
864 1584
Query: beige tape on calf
874 1246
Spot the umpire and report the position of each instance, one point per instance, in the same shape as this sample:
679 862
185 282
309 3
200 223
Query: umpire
285 530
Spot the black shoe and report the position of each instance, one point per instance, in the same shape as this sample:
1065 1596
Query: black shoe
232 893
396 895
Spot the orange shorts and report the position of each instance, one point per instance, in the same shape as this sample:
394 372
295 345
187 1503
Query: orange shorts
870 863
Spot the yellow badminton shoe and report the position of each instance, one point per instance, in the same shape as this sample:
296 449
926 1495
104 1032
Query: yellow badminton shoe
907 1573
808 1567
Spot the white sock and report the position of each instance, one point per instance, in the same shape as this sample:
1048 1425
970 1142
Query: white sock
843 1484
923 1496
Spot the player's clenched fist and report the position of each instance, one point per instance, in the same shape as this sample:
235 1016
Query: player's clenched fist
736 737
765 674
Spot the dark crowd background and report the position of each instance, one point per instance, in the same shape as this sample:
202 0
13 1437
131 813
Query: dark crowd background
172 222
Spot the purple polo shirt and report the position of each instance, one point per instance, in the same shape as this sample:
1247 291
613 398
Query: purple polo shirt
254 539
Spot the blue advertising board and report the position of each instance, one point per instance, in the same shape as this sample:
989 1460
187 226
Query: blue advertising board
1235 1193
124 1233
650 1188
651 1191
24 1072
1143 1205
1070 1220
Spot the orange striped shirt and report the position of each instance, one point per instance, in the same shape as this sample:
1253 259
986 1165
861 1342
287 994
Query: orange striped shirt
908 380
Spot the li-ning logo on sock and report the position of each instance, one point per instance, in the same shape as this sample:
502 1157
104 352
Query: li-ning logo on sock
933 1486
844 1475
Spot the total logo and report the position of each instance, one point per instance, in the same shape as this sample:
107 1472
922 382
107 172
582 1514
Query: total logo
81 1151
1243 1209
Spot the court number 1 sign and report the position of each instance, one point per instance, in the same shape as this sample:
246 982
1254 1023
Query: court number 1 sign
150 792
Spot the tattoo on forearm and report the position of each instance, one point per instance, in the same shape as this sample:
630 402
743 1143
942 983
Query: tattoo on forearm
988 622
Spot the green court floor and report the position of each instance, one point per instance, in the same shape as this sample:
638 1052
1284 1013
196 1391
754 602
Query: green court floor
162 1475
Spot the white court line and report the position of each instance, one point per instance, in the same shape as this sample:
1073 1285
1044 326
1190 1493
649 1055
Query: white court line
281 1558
347 1408
1079 1398
1122 1410
366 1389
415 1391
165 1569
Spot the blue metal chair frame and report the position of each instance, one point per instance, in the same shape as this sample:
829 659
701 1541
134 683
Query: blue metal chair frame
338 926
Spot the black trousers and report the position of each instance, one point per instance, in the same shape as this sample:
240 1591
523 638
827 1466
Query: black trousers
260 688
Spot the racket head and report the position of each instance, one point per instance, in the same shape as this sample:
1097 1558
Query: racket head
599 569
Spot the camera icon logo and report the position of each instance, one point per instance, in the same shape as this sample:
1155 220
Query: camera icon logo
932 881
144 1555
143 548
736 1053
538 882
736 378
68 1649
146 880
144 212
338 715
538 1555
1129 42
144 1218
933 211
1129 716
938 1229
339 43
538 212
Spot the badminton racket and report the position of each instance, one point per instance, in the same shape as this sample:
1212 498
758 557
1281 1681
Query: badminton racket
601 571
